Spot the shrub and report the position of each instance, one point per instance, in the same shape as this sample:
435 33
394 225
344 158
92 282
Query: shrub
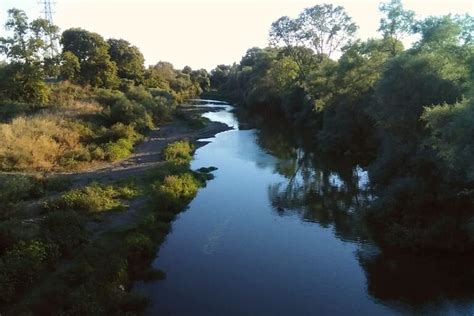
15 188
97 152
80 109
65 94
10 110
128 189
121 139
90 199
64 228
139 246
36 143
179 152
120 130
130 112
75 157
21 266
120 149
160 107
139 94
175 191
108 97
12 231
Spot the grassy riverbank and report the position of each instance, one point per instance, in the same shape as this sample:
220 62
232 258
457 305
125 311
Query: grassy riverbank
53 261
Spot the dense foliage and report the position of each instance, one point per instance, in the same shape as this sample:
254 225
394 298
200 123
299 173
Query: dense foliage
404 114
90 103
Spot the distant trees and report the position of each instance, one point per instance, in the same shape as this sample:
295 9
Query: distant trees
93 85
179 84
404 113
201 77
219 75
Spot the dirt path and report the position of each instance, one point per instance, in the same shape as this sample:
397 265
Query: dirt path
148 154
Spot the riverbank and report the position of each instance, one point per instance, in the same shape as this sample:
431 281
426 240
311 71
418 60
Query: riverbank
90 239
147 154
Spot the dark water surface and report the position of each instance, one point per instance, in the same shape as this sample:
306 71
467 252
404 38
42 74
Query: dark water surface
278 232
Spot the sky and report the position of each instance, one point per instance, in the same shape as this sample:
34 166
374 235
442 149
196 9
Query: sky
205 33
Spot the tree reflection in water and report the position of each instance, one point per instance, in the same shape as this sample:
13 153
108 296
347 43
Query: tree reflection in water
337 194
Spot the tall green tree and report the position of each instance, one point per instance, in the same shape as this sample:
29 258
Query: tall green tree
318 31
70 66
128 58
201 77
396 22
92 51
323 28
23 78
441 32
451 131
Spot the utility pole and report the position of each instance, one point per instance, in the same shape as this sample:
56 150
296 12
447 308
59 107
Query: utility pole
46 6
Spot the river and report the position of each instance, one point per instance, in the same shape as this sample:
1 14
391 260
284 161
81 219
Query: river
279 232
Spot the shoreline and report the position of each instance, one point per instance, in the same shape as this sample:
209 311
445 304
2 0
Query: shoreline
146 154
130 237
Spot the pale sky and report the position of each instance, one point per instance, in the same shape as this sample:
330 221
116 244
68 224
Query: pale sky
205 33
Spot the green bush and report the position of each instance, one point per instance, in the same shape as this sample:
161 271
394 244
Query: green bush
65 229
108 97
97 152
120 149
179 152
10 110
93 198
120 139
75 156
130 113
15 188
175 192
22 266
139 94
128 189
12 231
66 93
120 130
139 246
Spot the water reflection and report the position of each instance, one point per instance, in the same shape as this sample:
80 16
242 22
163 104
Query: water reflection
281 231
431 284
336 195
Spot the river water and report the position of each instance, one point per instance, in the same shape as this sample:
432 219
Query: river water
279 232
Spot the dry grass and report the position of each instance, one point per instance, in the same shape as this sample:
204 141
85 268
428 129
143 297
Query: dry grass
37 142
80 108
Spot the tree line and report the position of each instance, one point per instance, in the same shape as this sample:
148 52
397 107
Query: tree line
91 101
86 58
405 114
